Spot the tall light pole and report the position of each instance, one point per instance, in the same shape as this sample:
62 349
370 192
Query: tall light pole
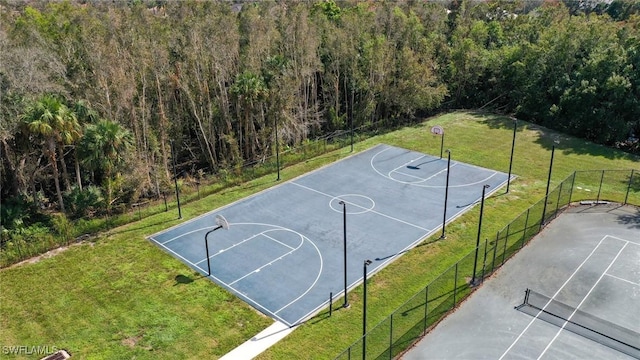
474 281
364 310
513 146
446 195
275 125
175 179
546 195
221 223
351 117
344 221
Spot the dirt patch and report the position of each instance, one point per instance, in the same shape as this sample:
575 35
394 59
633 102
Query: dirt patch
50 253
134 341
131 341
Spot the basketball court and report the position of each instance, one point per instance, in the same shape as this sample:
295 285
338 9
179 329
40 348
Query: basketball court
572 293
283 249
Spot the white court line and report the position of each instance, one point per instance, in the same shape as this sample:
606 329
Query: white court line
582 302
371 163
373 211
222 282
244 296
421 178
231 247
310 287
275 314
185 234
554 295
621 239
625 280
272 261
405 164
280 242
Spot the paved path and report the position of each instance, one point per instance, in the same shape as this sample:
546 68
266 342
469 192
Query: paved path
259 343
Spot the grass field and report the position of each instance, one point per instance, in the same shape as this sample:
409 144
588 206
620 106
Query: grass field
120 296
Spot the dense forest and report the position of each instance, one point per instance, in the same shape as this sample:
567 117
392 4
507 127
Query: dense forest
95 95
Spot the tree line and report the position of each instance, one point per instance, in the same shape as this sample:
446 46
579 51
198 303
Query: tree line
95 95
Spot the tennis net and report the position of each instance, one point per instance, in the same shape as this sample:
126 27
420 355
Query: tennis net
579 322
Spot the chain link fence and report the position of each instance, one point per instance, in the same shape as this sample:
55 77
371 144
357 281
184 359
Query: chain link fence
420 313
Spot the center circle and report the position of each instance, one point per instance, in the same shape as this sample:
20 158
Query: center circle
355 203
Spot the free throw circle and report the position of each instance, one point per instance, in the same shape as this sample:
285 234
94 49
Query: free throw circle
356 204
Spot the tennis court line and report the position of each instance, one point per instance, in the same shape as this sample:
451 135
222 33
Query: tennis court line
621 239
583 300
356 205
625 280
619 278
552 297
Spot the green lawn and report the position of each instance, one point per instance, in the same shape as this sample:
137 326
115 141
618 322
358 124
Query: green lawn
122 297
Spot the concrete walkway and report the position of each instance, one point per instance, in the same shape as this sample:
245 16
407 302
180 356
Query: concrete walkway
259 343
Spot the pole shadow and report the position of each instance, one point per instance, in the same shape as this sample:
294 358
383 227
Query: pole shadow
417 167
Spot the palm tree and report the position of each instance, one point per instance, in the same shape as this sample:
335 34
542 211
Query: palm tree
51 121
103 149
249 90
85 115
70 133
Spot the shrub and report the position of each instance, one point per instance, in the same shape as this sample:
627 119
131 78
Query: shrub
84 203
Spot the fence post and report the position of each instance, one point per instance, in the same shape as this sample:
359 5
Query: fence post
600 187
330 303
626 197
426 305
495 249
506 239
526 224
391 339
455 287
573 181
555 214
484 260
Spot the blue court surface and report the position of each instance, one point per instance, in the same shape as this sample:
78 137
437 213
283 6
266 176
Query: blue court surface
284 251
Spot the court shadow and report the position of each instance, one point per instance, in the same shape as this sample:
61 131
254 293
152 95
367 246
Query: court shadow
632 220
425 242
548 137
135 227
318 318
469 204
478 201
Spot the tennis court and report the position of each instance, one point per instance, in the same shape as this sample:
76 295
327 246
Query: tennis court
572 293
283 252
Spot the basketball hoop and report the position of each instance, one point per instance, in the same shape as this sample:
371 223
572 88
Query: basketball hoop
222 222
438 130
